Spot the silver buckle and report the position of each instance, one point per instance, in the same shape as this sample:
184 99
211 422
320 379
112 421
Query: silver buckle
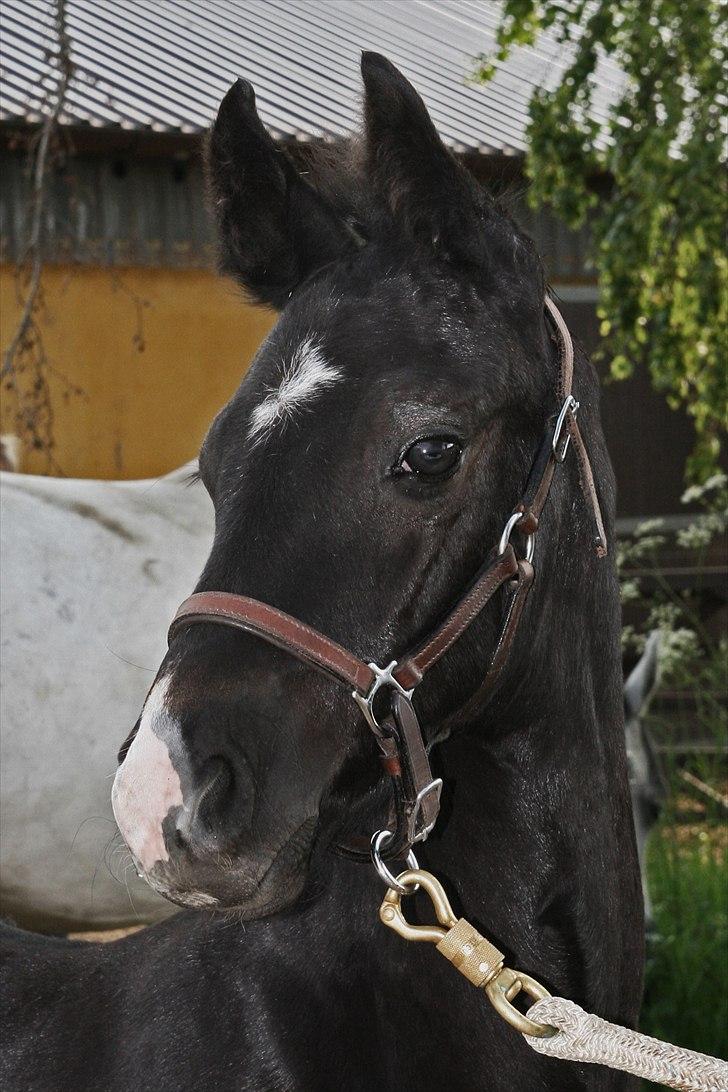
382 677
570 406
434 786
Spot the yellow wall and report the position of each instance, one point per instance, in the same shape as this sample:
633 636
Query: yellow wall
156 352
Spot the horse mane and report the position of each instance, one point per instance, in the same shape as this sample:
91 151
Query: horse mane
337 170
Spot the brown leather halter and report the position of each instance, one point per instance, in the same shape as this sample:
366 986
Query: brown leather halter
416 795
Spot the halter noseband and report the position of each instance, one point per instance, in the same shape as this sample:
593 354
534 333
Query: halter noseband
416 795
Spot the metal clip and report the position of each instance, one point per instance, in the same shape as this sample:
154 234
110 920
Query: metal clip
472 954
390 912
382 677
570 406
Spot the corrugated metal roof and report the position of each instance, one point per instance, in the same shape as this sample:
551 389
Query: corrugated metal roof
151 211
164 65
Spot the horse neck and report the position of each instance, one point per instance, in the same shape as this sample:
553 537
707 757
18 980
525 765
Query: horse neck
535 844
548 750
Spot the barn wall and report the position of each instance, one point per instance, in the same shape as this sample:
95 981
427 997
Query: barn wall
156 352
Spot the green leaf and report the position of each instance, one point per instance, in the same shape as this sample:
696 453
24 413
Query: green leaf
658 232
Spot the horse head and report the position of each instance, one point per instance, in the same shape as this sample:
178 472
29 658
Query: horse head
359 475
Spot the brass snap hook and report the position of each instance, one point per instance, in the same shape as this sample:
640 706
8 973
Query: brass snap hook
472 954
390 912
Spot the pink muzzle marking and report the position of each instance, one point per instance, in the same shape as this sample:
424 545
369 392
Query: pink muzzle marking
147 786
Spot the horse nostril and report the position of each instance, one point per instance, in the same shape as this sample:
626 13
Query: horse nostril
217 788
179 838
199 822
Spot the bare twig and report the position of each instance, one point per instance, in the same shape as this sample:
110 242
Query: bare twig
25 350
706 790
35 248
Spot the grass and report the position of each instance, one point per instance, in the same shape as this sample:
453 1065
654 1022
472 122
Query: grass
686 992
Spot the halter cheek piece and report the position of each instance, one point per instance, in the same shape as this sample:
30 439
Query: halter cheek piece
416 795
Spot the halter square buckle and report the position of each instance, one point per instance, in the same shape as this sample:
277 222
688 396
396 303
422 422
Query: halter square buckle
570 406
420 834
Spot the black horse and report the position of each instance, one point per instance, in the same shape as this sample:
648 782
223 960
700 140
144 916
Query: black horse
359 475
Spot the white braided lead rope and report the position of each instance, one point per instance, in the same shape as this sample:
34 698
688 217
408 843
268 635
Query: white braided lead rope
586 1038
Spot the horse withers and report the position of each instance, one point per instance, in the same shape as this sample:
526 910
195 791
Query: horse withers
359 475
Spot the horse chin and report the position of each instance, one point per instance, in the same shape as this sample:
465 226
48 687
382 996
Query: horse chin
268 902
233 890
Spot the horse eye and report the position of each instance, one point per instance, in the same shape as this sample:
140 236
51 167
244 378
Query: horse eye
431 458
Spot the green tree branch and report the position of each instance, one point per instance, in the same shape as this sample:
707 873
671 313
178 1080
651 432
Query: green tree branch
659 230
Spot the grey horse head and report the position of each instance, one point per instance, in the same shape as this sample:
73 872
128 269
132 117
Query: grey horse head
646 776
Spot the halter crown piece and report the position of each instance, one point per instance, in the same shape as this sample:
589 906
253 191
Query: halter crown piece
416 794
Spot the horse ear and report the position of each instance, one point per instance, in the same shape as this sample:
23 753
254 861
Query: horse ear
432 196
274 229
429 193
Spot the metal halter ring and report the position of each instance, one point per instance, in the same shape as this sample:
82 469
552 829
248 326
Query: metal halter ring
508 531
384 874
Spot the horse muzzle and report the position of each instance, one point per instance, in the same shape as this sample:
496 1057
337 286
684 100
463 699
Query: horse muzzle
192 833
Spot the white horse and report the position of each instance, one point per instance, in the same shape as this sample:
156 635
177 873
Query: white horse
92 573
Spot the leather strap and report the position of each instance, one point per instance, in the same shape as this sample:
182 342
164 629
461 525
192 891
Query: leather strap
539 482
493 575
279 629
420 806
566 350
586 477
589 489
314 648
518 591
415 801
358 846
517 596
